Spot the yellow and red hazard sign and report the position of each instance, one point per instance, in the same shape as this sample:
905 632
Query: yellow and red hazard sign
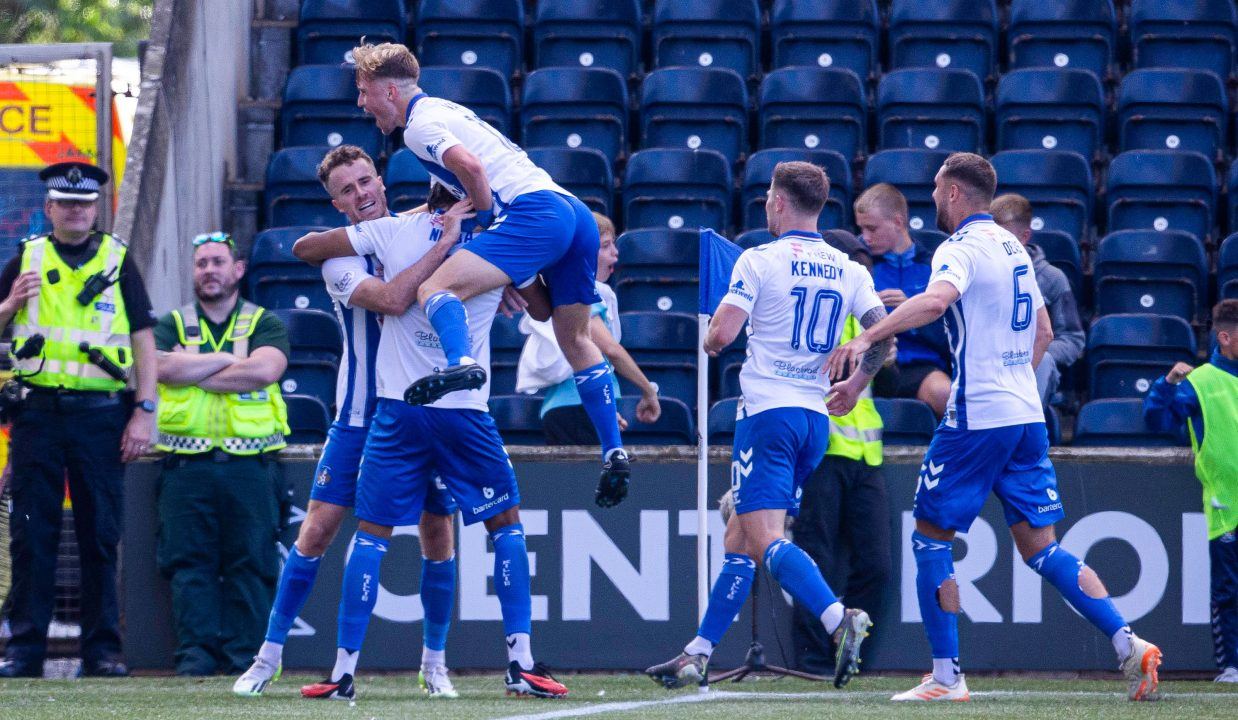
47 122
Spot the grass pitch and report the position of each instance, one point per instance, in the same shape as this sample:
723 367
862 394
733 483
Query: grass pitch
604 697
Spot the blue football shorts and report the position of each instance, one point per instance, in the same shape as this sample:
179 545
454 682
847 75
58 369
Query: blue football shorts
774 452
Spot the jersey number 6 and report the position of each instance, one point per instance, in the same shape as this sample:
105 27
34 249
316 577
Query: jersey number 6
815 315
1021 318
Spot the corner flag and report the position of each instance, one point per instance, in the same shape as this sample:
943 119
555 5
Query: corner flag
717 259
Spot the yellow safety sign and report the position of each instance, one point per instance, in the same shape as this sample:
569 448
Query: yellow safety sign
44 122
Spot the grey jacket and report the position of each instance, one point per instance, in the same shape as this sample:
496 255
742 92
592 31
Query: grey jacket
1068 337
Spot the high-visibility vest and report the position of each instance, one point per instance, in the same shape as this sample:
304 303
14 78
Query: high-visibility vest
193 420
857 435
1216 460
65 323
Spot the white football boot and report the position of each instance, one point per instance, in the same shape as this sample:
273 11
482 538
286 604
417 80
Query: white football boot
1229 675
930 690
434 682
256 678
1140 668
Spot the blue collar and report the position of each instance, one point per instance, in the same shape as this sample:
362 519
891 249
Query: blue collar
408 111
978 217
1224 363
802 235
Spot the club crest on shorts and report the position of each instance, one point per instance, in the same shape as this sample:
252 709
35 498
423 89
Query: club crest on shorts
324 477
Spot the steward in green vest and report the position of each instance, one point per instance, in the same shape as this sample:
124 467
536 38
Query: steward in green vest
222 419
82 404
1205 400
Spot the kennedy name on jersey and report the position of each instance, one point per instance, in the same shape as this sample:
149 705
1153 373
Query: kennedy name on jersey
809 269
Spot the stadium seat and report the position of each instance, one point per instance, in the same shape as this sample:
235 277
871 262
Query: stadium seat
1077 34
482 90
1062 252
1126 353
328 30
472 33
814 108
584 172
753 238
1162 190
316 343
930 108
907 422
912 172
695 108
293 195
958 34
277 279
588 33
1058 183
506 342
664 345
841 34
730 361
760 170
929 239
674 427
677 189
1197 34
1169 108
707 33
1145 271
308 418
1050 109
518 418
722 421
1118 423
407 181
1227 269
658 270
575 107
320 108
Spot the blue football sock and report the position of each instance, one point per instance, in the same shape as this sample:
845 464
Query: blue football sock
730 591
511 579
438 589
295 583
360 591
1062 571
451 322
934 566
799 575
596 387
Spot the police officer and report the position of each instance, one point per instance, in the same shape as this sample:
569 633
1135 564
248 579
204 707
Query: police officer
221 420
81 331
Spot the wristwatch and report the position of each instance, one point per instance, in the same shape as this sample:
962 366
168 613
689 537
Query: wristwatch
146 406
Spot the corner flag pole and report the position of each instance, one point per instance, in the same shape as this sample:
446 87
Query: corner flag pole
702 467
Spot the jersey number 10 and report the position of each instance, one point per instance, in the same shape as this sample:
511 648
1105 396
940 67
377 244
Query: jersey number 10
816 314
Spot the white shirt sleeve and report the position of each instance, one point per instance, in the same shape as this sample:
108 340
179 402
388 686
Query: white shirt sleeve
374 237
953 264
745 282
343 275
429 138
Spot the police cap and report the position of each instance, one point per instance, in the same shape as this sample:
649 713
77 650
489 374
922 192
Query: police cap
73 181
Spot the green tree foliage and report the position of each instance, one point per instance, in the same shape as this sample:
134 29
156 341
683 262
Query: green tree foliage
123 22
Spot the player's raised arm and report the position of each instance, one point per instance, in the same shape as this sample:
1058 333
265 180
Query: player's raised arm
472 175
316 247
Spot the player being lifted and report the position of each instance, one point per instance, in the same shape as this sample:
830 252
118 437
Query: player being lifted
993 437
531 226
796 293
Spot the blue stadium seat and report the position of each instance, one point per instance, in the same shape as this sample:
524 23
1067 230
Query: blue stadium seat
664 345
1078 34
1126 353
316 342
707 33
518 418
293 195
1050 109
912 172
722 421
674 427
944 34
1162 190
506 342
1197 34
328 30
1227 269
407 181
588 33
760 170
320 108
1062 252
753 238
277 279
1170 108
814 108
575 108
1145 271
730 362
841 34
688 107
677 189
930 108
1057 182
308 418
472 33
1118 423
482 90
584 172
907 422
930 239
658 270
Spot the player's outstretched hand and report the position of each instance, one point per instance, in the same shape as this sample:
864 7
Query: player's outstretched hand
513 303
457 214
843 397
846 358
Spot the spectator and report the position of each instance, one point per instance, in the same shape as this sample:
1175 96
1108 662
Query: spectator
1205 400
901 269
542 364
1014 213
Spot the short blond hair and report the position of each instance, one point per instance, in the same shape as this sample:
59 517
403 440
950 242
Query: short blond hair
387 60
605 226
882 198
1011 209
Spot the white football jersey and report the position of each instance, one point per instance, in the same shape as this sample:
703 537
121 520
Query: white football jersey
798 292
355 383
435 125
992 326
409 348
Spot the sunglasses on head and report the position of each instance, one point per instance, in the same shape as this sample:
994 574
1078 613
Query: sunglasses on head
217 236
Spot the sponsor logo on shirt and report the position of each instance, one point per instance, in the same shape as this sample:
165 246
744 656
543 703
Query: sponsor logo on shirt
782 368
427 340
432 150
345 280
1010 358
739 289
945 270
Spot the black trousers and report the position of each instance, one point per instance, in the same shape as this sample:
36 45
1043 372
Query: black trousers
844 526
51 441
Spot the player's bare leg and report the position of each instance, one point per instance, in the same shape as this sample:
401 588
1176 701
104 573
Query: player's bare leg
437 533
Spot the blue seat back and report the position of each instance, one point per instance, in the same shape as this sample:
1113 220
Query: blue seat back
664 345
674 427
815 109
293 195
677 189
328 30
657 270
407 181
1077 34
1126 353
312 334
753 238
1174 109
1145 271
1197 34
472 33
1118 423
843 34
930 108
584 172
518 418
912 172
1227 269
588 33
707 33
273 268
759 171
1050 109
1057 182
482 90
906 422
722 421
695 108
308 418
944 34
575 107
1162 190
1062 252
929 239
320 108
